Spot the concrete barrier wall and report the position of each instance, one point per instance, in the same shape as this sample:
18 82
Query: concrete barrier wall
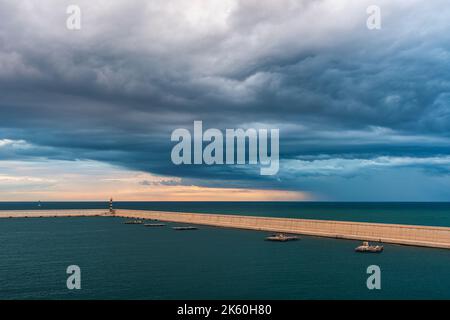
389 233
52 213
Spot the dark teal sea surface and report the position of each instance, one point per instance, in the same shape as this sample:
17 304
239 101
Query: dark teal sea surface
135 262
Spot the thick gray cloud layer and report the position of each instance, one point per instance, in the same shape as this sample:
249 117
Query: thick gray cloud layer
114 90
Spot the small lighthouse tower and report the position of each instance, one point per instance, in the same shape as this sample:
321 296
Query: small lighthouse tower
111 210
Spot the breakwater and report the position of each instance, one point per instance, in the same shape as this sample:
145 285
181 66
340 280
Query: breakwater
437 237
427 236
52 213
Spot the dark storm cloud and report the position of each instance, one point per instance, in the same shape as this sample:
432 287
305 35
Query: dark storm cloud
114 90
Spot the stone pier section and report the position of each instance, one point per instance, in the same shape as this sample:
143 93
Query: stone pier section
437 237
426 236
53 213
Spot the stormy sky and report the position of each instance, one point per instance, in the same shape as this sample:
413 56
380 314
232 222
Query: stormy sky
364 115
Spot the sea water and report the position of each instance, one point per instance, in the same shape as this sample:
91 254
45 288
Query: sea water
120 261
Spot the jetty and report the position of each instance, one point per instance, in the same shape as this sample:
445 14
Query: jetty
414 235
53 213
426 236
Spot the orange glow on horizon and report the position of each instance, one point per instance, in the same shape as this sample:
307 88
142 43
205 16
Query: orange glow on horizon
165 193
94 181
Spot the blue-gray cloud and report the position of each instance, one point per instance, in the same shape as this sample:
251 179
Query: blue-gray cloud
114 90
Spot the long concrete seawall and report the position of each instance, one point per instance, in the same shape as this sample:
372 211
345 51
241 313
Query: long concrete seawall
437 237
52 213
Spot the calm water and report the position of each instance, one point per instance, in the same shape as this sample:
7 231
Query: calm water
135 262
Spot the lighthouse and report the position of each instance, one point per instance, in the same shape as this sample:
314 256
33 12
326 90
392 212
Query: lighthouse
111 210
